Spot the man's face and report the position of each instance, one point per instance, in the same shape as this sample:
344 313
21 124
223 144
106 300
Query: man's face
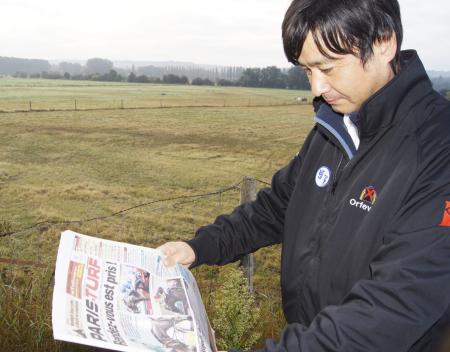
344 82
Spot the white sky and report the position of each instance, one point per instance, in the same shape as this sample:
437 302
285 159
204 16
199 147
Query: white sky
218 32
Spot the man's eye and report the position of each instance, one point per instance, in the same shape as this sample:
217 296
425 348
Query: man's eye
326 70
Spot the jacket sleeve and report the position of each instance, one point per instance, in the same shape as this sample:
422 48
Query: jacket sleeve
250 226
409 289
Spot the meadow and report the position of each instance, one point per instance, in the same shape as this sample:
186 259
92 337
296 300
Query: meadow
177 149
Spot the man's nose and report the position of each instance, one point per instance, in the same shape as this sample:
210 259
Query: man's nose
319 84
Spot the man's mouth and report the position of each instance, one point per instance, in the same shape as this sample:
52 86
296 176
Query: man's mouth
332 100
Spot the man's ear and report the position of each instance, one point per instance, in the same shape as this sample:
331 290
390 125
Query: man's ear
386 48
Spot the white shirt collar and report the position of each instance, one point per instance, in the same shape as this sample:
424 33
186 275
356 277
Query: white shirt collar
352 130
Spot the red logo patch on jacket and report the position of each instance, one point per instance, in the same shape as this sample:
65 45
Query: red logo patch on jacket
446 216
369 194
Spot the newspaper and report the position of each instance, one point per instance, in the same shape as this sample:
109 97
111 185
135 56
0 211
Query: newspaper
121 297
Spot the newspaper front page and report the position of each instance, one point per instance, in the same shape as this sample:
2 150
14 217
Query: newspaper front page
121 297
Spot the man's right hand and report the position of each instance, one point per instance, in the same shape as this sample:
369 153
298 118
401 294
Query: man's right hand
177 252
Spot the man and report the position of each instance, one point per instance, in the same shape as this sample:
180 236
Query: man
363 210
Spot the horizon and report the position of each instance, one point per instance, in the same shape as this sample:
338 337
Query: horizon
174 62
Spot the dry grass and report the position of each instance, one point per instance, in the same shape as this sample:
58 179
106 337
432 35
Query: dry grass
63 166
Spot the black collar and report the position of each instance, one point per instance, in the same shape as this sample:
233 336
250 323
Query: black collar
396 98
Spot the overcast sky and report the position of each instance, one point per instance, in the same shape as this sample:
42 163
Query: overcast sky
218 32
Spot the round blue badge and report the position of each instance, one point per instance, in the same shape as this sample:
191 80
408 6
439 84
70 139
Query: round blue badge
323 176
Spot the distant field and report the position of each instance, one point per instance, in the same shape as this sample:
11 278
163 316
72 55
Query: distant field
16 94
71 165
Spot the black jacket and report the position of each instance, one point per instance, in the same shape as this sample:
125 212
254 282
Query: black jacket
366 233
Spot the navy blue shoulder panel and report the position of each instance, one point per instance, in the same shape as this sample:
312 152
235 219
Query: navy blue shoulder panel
334 123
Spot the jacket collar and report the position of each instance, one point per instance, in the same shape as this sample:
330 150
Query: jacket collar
396 98
333 123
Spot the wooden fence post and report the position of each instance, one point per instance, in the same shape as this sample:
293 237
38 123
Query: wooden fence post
248 194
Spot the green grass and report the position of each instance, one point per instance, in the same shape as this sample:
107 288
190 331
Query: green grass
16 94
70 165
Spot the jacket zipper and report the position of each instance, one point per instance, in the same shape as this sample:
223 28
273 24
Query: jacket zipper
341 166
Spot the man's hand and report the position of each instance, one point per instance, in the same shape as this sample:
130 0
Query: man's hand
177 252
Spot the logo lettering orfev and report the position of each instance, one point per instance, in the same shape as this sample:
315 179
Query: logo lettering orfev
367 199
323 176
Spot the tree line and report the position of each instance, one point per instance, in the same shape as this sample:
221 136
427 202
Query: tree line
97 69
269 77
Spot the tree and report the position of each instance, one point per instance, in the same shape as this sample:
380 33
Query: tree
99 66
51 75
272 77
11 65
72 68
154 80
78 77
251 77
20 74
441 83
142 79
174 79
297 79
112 76
202 82
226 83
131 77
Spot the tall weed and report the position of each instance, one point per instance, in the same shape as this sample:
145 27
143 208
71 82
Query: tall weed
235 312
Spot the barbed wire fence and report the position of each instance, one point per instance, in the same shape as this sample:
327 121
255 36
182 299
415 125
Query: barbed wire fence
31 106
13 260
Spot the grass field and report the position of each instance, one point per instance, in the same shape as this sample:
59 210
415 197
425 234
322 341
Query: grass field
16 94
73 165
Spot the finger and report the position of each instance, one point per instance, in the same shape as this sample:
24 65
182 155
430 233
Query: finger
165 249
165 252
169 261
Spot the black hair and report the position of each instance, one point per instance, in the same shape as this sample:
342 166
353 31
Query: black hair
342 26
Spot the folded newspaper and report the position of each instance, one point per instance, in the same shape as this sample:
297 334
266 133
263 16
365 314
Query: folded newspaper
121 297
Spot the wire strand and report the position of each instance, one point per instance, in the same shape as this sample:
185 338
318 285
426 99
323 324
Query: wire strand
123 211
263 182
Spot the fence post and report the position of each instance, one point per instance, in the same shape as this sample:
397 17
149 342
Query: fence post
30 105
248 194
75 105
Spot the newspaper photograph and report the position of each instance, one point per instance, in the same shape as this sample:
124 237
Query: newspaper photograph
121 297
